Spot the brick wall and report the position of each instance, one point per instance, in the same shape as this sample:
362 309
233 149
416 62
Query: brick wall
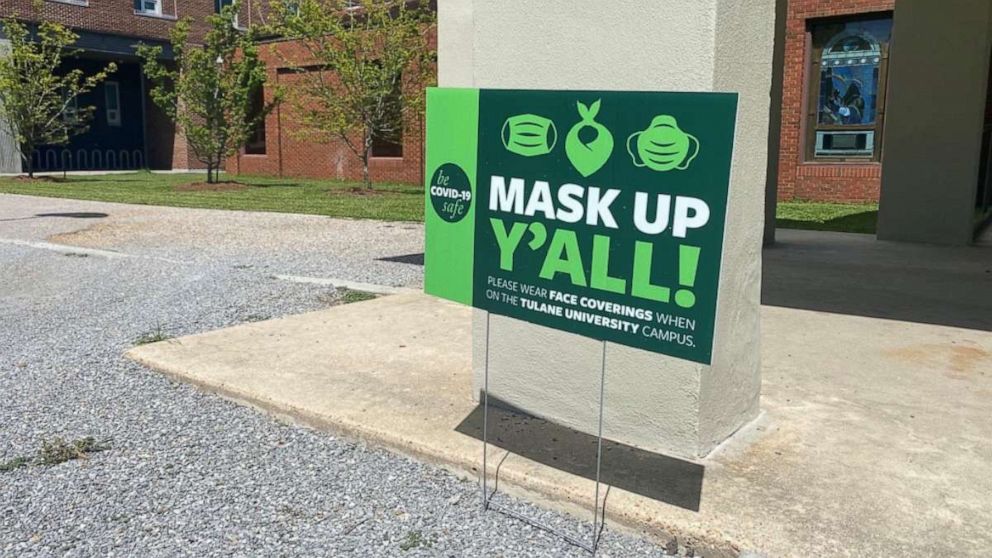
290 151
798 179
118 17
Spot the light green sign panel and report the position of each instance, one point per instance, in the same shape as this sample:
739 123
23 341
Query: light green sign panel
595 212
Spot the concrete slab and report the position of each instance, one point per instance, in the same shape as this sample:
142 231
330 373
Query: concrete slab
876 438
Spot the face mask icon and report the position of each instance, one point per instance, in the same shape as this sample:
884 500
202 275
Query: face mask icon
663 146
529 135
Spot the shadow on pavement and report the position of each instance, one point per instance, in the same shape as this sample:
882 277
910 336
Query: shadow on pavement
656 476
413 259
75 215
858 275
70 215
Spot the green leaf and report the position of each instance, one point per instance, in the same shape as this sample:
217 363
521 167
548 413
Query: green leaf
583 110
594 109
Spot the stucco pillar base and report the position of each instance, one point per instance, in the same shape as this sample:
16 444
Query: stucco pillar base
652 401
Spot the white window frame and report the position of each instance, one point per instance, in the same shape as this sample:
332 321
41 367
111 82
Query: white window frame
236 23
156 9
113 115
80 3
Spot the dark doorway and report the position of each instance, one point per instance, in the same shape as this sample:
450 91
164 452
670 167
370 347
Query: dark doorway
983 194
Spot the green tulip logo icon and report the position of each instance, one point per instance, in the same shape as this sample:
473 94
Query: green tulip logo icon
588 144
529 135
663 146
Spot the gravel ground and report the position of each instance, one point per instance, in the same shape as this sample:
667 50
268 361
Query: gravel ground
189 473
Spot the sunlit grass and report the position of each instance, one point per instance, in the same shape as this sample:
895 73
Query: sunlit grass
390 202
839 217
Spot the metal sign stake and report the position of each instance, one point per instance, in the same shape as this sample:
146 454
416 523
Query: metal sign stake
487 503
599 452
485 421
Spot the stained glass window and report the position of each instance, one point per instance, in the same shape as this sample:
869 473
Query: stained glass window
847 87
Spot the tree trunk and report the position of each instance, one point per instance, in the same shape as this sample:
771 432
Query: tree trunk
28 162
365 173
365 158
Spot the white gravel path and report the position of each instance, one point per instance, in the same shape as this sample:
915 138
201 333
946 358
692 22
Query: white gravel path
190 474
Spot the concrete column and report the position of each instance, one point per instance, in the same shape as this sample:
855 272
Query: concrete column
455 67
775 121
652 401
938 78
10 154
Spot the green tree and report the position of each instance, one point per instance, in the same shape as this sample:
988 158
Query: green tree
39 99
365 66
208 91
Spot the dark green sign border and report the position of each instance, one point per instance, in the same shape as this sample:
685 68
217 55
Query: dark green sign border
572 238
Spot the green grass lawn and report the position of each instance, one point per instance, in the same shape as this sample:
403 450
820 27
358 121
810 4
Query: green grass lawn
390 202
839 217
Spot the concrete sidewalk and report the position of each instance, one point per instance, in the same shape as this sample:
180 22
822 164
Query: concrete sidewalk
876 438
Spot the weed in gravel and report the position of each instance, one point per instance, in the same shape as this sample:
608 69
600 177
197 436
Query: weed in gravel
15 463
350 295
415 539
153 336
59 451
345 296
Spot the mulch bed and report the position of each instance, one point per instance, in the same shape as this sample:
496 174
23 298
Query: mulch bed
356 191
208 187
28 179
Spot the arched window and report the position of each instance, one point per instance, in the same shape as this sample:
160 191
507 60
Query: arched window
847 89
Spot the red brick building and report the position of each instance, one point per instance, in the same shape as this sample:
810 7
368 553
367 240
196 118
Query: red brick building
151 20
833 99
824 155
128 130
283 148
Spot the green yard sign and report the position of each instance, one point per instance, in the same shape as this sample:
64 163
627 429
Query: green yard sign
595 212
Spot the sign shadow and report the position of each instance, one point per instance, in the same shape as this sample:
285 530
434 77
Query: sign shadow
412 259
660 477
